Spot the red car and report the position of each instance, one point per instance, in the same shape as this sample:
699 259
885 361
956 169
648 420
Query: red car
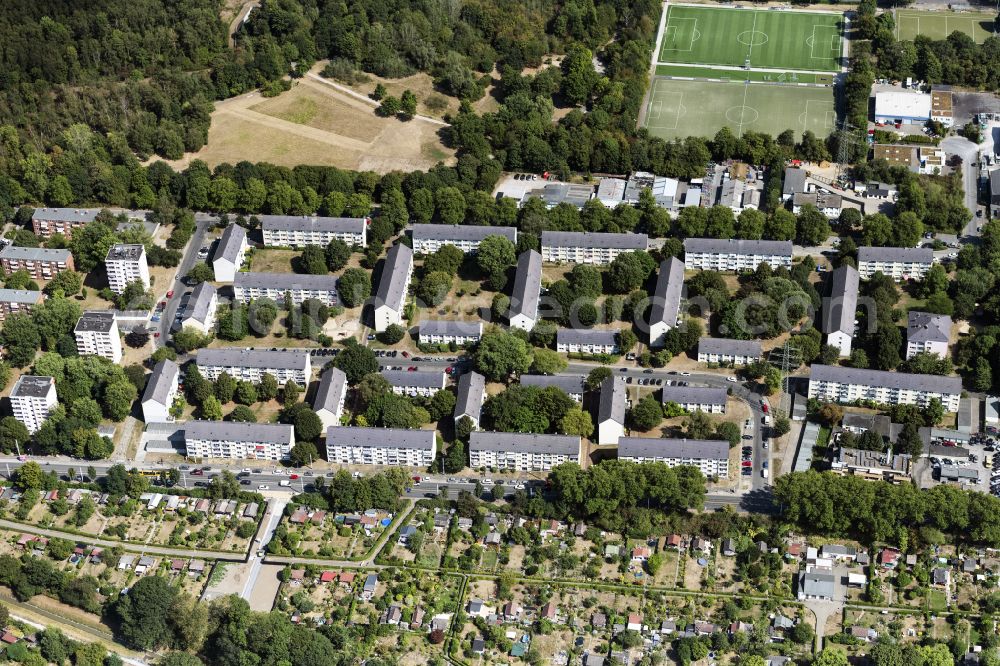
293 476
764 408
156 335
747 463
406 354
197 472
170 294
412 368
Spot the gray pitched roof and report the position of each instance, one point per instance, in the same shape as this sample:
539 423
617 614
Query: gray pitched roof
17 253
200 302
456 328
611 406
99 321
586 336
702 395
524 443
738 246
568 383
927 327
284 359
275 433
995 182
332 384
285 281
795 181
649 447
396 438
896 254
898 380
527 285
233 238
66 214
340 225
586 239
667 297
461 232
160 382
842 304
815 584
20 296
471 388
31 386
391 284
729 347
420 378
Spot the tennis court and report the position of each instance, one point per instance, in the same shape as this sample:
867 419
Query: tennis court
766 38
680 108
938 25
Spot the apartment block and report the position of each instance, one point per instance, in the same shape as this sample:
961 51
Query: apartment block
735 255
275 286
230 253
48 221
40 263
524 298
423 383
161 390
928 333
611 410
471 395
330 397
31 400
126 264
708 399
828 204
251 364
666 309
97 333
586 341
724 350
237 440
899 263
298 231
708 455
840 308
13 301
522 452
381 446
393 286
202 305
581 247
847 385
571 385
442 331
429 238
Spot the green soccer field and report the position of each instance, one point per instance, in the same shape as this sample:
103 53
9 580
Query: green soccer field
767 38
938 25
679 108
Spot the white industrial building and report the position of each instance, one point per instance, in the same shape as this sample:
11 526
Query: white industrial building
731 254
126 264
666 308
582 247
522 452
275 286
238 440
252 364
899 263
839 309
97 333
302 230
848 385
902 106
32 399
429 238
393 286
381 446
161 391
523 313
710 456
230 253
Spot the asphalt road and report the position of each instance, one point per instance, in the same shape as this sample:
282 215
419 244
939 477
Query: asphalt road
202 223
969 152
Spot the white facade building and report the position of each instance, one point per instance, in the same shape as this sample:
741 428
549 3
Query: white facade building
571 385
441 331
724 350
471 396
393 286
429 238
708 399
899 263
839 309
611 410
581 247
201 308
298 231
251 364
710 456
381 446
230 253
522 452
730 254
161 390
902 106
927 333
31 400
254 286
330 397
524 298
586 341
97 333
423 383
848 385
666 310
126 264
237 440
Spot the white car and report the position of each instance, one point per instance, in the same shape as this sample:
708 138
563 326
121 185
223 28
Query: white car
263 486
685 374
731 380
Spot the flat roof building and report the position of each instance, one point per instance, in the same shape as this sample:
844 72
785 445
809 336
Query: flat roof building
126 264
32 399
900 106
97 333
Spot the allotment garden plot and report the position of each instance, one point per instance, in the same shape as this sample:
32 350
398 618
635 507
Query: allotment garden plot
682 107
784 40
938 25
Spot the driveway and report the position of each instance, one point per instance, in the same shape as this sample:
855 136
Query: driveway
969 153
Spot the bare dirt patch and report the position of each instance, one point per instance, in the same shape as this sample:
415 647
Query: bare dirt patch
307 105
